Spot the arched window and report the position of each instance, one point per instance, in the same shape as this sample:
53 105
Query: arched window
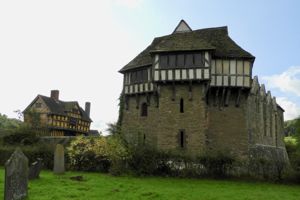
181 105
144 110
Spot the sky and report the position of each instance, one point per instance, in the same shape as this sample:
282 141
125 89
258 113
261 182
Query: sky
78 46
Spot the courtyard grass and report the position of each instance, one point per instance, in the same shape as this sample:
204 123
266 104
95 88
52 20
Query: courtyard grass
103 186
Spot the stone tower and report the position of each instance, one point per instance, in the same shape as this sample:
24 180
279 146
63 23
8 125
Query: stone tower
193 91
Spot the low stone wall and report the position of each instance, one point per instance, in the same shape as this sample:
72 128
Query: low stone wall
268 161
269 153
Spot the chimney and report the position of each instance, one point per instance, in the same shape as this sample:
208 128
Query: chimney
87 108
55 94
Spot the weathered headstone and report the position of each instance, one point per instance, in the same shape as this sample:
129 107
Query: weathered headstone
16 176
35 169
59 159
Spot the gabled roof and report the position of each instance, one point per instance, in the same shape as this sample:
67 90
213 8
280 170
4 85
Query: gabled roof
214 39
60 107
182 27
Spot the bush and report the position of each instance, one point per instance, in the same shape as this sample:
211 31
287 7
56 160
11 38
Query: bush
95 153
217 164
32 153
24 135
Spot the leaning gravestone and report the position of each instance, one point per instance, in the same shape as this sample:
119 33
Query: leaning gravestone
35 169
59 160
16 176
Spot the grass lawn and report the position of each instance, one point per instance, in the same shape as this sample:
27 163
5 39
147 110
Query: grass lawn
102 186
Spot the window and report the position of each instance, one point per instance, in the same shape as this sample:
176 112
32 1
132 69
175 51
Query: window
181 106
144 110
181 138
144 141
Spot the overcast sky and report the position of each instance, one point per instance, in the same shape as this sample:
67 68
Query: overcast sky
78 47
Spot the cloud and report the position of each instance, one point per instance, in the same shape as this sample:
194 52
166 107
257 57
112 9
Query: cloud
292 110
288 81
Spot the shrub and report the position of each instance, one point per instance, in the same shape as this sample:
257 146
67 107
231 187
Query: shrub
95 153
24 135
217 164
143 160
32 153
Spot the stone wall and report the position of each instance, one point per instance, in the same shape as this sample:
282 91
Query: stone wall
227 129
164 122
232 120
193 121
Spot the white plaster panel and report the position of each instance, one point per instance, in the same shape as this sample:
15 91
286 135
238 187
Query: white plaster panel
240 81
198 73
232 67
213 80
163 75
141 88
232 81
225 80
247 68
131 89
156 75
183 74
177 74
219 81
191 74
170 75
206 73
247 81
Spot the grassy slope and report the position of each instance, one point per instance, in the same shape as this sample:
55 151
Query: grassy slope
100 186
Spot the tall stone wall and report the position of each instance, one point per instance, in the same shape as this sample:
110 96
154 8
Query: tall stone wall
193 120
227 130
265 117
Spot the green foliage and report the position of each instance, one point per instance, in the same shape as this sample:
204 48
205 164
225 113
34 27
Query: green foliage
8 124
113 129
217 164
32 152
95 153
23 135
292 127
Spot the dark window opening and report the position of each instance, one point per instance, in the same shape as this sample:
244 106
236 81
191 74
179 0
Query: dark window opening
180 60
144 141
144 110
182 139
139 76
189 61
163 61
181 106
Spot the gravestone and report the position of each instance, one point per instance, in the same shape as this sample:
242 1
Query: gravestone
16 176
59 159
35 169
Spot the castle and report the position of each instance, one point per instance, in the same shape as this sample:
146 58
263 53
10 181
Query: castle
193 91
60 118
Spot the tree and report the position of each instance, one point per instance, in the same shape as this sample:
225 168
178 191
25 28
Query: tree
7 123
113 129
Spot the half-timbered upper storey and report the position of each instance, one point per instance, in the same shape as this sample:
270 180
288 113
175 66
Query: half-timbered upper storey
186 55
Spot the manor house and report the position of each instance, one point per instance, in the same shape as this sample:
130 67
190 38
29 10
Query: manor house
193 91
59 118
